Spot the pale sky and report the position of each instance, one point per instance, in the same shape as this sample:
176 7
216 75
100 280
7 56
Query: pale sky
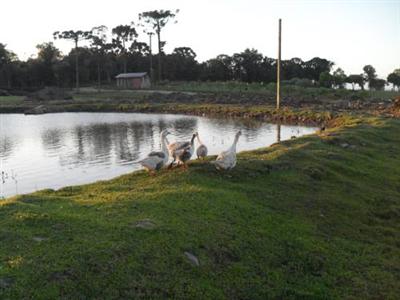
350 33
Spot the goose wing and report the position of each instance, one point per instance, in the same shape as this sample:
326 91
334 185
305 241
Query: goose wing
185 153
152 162
178 145
159 154
202 151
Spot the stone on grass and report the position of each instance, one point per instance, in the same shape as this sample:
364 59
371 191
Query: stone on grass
6 282
145 224
39 239
192 259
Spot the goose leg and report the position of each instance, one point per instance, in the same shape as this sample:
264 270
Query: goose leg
171 164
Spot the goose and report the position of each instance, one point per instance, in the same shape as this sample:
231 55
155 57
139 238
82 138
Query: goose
182 151
226 160
176 146
201 149
155 160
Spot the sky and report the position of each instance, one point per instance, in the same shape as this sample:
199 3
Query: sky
350 33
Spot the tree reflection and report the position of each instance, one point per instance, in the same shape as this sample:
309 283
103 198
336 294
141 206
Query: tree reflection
52 139
185 126
7 146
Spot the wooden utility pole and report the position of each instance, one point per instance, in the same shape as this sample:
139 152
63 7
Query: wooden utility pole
278 69
151 58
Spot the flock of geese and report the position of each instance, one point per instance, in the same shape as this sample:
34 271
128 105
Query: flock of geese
181 152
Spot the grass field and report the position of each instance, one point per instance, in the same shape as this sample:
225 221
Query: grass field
270 89
10 100
313 218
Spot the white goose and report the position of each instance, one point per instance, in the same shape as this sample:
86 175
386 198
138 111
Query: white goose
226 160
155 160
201 149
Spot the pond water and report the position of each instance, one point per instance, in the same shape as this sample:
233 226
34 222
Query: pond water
56 150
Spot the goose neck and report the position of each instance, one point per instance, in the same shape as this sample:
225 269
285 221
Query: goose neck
233 147
164 146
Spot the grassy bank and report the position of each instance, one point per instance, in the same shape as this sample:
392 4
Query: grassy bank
270 89
313 217
300 104
261 112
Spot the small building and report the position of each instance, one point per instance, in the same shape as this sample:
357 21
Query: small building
138 80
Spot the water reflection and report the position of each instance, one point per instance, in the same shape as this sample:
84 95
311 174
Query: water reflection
7 145
278 133
55 150
52 139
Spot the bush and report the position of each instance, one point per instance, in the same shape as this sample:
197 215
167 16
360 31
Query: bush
302 82
49 93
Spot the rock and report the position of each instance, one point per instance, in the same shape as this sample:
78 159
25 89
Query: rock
6 282
344 145
145 224
39 239
61 276
192 259
41 109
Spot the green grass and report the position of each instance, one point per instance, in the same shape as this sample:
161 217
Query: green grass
309 218
10 100
270 90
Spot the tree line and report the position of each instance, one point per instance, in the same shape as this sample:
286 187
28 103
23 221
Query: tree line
107 53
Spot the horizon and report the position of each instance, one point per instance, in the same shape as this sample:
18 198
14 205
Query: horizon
310 29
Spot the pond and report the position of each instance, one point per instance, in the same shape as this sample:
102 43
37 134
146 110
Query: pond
56 150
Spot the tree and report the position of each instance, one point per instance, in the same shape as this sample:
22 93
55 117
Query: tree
339 78
75 36
181 64
158 19
124 34
370 74
48 56
394 78
356 79
99 47
293 68
377 84
218 69
326 79
8 66
314 67
248 65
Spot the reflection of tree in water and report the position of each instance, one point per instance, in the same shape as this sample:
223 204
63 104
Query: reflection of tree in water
91 143
185 126
80 133
97 142
128 139
7 146
52 139
251 129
